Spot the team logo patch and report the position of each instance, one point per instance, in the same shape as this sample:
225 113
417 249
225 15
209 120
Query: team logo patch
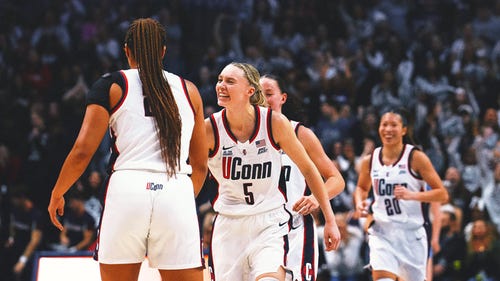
154 186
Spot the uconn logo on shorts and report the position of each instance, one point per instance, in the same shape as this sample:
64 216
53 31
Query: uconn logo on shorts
153 186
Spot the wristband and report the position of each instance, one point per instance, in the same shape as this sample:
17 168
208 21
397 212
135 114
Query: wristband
23 259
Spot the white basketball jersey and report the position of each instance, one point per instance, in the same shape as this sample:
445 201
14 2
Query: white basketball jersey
386 208
248 172
295 182
136 143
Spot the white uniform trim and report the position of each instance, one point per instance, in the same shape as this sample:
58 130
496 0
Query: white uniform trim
136 144
248 172
303 253
397 238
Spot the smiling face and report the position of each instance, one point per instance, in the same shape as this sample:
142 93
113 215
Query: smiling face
233 87
391 129
274 96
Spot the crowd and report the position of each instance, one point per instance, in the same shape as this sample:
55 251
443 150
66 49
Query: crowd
345 61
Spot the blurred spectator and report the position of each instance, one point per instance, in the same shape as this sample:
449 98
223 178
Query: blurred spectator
384 94
448 263
490 183
459 195
25 237
79 226
345 263
427 134
470 170
348 161
432 81
483 253
485 24
205 83
35 170
95 194
329 128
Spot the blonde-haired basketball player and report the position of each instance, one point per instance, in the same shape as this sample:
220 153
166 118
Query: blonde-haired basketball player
245 140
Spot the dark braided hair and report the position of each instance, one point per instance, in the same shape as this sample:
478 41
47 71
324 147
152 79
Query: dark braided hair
146 38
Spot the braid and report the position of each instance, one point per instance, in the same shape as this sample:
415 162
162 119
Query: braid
146 38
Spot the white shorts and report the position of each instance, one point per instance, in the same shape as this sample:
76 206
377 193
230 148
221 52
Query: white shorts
303 251
245 247
147 214
400 251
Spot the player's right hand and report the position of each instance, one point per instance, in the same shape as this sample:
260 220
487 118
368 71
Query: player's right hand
56 207
363 208
331 236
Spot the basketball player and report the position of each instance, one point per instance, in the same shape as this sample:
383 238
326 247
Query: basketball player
156 122
245 140
398 172
303 244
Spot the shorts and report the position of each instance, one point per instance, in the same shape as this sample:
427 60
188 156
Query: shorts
303 251
400 251
245 247
147 214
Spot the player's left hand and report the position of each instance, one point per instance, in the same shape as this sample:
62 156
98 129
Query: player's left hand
306 205
331 236
56 207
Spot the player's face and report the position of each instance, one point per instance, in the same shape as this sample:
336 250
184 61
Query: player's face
274 97
391 128
233 87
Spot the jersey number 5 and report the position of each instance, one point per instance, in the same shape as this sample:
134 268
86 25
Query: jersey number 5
248 194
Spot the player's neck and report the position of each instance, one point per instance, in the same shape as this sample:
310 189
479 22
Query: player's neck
241 122
392 151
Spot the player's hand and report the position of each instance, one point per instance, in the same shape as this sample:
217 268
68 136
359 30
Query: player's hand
401 192
306 205
363 208
18 268
436 248
331 236
56 207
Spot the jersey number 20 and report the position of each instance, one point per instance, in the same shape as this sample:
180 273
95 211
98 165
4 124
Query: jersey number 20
392 206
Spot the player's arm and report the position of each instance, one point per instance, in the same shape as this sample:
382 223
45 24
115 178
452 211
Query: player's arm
198 155
363 187
435 208
36 238
284 135
421 164
334 181
88 236
210 135
93 128
63 237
